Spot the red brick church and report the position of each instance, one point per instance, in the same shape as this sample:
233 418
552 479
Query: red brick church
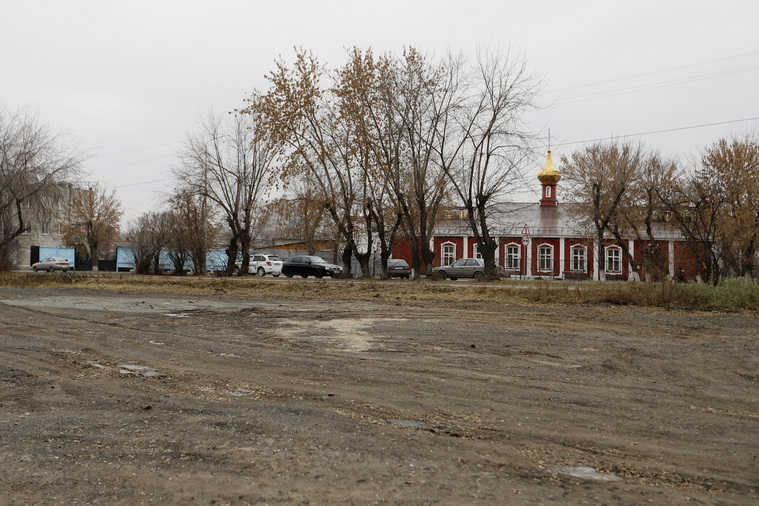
543 240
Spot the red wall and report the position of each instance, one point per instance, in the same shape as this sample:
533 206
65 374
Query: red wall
535 244
683 256
590 254
505 241
457 241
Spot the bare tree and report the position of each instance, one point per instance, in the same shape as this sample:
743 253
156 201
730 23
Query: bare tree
147 238
304 120
696 203
194 229
229 162
481 142
363 87
732 167
396 98
93 219
598 182
647 213
35 163
418 183
301 212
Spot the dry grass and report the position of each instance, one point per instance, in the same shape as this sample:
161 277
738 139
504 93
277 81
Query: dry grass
732 294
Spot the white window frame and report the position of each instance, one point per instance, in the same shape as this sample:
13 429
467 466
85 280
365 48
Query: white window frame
476 251
584 258
443 255
517 257
616 262
542 267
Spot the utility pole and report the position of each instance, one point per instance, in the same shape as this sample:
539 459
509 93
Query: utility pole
204 212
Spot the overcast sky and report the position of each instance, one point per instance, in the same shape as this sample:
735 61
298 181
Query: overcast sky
129 79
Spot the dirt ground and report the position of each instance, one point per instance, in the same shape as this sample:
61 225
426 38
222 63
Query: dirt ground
129 398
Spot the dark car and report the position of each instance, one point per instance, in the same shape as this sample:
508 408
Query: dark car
398 268
305 266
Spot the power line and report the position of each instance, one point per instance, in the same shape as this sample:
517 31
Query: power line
655 72
652 132
645 87
145 182
140 161
134 150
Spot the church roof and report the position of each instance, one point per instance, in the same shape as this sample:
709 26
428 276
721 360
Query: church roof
509 219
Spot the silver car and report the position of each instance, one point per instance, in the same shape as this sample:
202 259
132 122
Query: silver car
52 264
462 268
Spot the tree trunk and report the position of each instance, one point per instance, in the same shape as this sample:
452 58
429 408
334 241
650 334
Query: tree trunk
245 248
347 254
94 254
232 251
488 249
199 261
363 260
601 255
5 257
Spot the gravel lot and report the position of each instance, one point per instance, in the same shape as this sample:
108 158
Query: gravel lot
133 398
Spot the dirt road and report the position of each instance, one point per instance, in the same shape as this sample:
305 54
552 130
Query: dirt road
128 398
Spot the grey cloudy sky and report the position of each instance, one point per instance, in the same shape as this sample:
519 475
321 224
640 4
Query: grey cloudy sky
128 80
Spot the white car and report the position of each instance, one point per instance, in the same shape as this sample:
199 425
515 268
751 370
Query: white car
265 264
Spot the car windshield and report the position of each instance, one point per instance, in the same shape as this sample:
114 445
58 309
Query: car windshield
274 258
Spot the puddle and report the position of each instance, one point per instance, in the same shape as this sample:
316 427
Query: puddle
416 424
585 472
139 370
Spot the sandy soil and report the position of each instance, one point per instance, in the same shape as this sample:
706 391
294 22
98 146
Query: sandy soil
127 398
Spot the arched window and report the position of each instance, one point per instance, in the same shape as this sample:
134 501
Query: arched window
548 192
614 260
448 253
513 256
545 258
579 258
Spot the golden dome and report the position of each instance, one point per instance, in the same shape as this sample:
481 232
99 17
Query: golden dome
549 174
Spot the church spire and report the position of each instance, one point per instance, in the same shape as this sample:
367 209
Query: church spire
549 177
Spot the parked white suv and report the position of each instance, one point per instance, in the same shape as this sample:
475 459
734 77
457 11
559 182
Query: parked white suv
265 264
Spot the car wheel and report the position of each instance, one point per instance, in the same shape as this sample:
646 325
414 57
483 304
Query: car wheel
289 274
441 275
304 276
261 272
478 275
52 269
275 275
454 279
319 274
34 269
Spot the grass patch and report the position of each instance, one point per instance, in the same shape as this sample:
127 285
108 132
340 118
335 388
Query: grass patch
735 294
